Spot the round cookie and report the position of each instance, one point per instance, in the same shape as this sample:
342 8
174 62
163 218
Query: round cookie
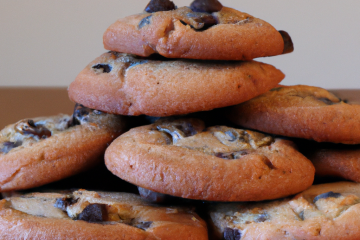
201 31
125 84
336 160
326 211
37 151
95 215
182 158
303 112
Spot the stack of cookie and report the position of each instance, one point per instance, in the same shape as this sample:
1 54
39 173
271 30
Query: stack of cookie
175 66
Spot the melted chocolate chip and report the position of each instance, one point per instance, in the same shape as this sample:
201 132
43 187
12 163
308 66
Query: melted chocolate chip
232 234
93 213
208 6
142 225
80 114
187 128
106 68
327 195
7 146
63 203
200 21
29 127
159 5
288 44
326 101
145 21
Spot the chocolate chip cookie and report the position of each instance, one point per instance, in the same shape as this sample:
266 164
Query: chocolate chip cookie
327 211
205 30
183 158
303 112
37 151
129 85
95 215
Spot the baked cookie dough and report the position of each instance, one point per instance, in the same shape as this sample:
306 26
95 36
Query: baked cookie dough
37 151
95 215
303 112
205 30
182 158
326 211
129 85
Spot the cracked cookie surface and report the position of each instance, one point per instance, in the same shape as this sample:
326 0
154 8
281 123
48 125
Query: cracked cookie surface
31 149
301 111
197 32
125 84
183 158
326 211
95 215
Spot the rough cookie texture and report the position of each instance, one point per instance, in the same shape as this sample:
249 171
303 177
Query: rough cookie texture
197 32
182 158
327 211
95 215
301 111
125 84
37 151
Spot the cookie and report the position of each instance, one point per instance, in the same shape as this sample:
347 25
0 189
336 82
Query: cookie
334 160
125 84
205 31
326 211
181 158
303 112
95 215
37 151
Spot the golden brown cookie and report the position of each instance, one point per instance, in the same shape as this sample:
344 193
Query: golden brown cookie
125 84
37 151
182 158
95 215
202 31
323 212
301 111
335 160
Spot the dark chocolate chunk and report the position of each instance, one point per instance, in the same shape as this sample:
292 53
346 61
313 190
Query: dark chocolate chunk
200 21
7 146
145 21
159 5
208 6
327 195
63 203
142 225
28 127
80 114
93 213
232 234
326 100
106 68
288 44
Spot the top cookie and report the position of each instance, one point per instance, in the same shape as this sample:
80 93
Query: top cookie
196 32
301 111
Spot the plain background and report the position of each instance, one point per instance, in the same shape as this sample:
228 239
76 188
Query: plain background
48 42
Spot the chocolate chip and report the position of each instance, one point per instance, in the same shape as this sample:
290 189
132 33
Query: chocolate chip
288 44
142 225
208 6
159 5
232 234
200 21
63 203
145 21
93 213
80 114
151 196
232 136
29 127
327 195
106 68
7 146
262 218
326 101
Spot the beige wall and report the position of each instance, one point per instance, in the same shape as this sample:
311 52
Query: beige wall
48 42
